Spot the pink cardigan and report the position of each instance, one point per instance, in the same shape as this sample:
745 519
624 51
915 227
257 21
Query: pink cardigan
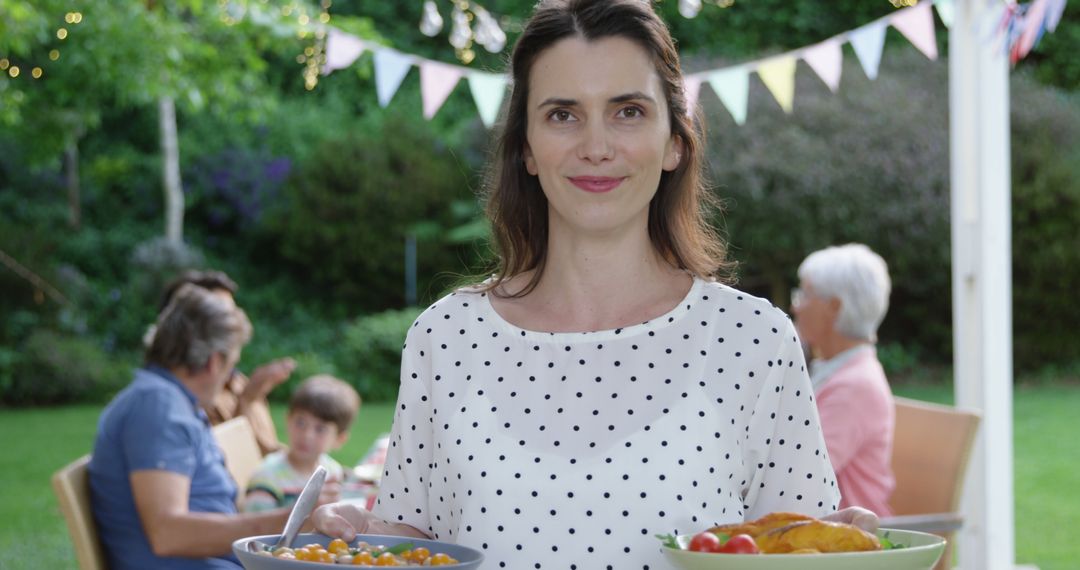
857 416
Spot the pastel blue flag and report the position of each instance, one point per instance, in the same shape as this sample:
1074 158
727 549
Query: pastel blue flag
868 42
488 90
390 70
732 86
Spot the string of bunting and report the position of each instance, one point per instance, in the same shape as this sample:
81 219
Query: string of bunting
1014 28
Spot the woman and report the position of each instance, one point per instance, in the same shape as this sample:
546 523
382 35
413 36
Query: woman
600 388
842 297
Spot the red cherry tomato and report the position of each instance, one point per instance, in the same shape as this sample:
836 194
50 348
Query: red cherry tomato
739 544
704 542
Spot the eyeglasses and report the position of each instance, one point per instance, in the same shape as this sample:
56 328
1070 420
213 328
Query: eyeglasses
798 297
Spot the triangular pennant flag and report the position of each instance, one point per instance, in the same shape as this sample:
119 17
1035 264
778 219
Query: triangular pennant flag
1033 26
778 74
488 90
917 25
827 60
945 11
390 70
692 88
437 80
732 86
1053 14
868 42
341 50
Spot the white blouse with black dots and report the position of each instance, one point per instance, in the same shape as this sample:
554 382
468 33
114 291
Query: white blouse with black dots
573 450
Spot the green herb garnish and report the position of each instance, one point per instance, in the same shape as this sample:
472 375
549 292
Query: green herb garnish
399 548
887 544
669 541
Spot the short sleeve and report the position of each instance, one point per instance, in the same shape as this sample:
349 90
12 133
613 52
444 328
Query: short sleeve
785 450
158 435
271 495
403 491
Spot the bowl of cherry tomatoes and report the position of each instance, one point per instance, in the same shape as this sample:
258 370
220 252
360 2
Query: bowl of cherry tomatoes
317 550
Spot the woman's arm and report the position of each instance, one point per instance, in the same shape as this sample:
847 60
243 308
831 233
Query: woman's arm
161 499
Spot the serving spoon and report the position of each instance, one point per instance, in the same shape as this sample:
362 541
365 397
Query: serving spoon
305 503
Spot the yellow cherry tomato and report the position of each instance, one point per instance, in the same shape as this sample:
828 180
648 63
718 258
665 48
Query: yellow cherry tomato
364 558
338 546
386 559
441 559
418 554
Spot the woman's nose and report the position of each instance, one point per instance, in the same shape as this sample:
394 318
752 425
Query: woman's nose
596 143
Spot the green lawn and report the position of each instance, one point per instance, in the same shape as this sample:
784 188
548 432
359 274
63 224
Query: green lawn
38 441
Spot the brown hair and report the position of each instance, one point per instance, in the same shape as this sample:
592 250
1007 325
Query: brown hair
195 325
206 278
327 398
516 206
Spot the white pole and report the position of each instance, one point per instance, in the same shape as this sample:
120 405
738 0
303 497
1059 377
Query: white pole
982 278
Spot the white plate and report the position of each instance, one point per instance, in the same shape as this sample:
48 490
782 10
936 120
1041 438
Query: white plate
921 551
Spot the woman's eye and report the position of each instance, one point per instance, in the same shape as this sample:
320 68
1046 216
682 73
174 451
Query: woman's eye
631 112
561 116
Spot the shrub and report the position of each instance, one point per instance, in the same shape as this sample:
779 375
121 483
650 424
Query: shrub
56 368
870 164
371 355
347 212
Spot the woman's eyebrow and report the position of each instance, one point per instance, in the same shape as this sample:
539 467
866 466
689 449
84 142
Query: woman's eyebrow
563 102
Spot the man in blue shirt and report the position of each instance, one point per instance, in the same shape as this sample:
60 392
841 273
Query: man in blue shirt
161 495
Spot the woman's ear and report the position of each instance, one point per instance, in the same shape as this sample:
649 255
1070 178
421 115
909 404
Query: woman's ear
530 161
673 156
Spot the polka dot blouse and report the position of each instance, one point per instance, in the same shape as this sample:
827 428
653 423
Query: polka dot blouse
572 450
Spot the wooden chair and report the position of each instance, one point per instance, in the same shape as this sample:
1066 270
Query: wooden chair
931 447
237 441
72 487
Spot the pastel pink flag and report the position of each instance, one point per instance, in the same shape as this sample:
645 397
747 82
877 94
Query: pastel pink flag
917 25
437 80
342 49
827 60
1033 24
692 85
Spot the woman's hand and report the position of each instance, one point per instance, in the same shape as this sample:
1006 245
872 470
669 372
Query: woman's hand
267 377
858 516
346 520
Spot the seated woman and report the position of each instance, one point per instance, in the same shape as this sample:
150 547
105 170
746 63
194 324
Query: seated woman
159 490
842 297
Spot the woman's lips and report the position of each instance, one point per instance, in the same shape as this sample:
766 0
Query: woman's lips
597 184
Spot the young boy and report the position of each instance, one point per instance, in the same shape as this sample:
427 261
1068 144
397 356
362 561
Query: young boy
320 413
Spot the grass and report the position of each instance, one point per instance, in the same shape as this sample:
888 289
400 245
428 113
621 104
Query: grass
39 441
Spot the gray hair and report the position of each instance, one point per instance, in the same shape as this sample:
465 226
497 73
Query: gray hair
856 276
195 325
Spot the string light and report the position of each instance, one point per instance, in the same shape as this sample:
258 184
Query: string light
62 33
36 73
903 3
469 22
54 54
13 71
4 64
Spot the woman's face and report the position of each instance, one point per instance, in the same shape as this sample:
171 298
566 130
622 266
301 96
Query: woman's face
815 316
598 134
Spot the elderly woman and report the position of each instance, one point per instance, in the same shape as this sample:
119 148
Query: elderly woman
842 297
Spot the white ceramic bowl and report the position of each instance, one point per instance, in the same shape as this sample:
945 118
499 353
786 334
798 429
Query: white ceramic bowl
467 557
920 552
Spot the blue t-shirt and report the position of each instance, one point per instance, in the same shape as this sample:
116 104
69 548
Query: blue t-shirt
155 423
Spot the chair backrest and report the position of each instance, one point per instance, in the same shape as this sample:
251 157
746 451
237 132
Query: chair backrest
931 447
72 487
240 448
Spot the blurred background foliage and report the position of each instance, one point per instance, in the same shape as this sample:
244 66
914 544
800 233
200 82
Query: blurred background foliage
306 196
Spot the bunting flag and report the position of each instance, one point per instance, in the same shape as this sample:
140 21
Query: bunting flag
692 88
390 70
827 60
917 25
732 86
437 80
488 91
868 42
778 74
945 11
341 50
1014 28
